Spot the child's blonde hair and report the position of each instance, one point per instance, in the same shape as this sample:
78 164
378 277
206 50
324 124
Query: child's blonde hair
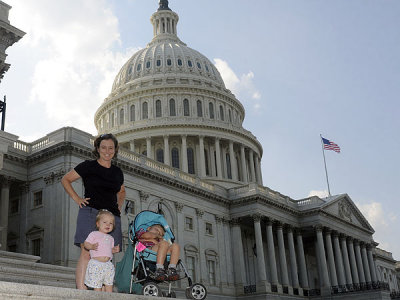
103 212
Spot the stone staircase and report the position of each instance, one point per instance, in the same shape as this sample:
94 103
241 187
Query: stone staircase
22 278
23 268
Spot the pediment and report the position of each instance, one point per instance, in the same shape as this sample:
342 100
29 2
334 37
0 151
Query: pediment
344 208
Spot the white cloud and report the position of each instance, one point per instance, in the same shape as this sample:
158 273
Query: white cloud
243 87
74 42
374 213
321 194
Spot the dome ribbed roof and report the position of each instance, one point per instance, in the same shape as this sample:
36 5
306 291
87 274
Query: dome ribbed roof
166 55
164 58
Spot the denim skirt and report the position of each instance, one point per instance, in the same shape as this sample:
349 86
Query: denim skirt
86 223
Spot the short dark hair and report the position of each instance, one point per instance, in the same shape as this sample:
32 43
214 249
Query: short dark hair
101 137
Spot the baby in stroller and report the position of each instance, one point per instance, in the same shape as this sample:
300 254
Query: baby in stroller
152 247
153 239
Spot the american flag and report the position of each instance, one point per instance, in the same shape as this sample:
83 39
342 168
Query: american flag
329 145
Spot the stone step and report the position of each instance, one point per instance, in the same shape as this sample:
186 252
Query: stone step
21 291
23 268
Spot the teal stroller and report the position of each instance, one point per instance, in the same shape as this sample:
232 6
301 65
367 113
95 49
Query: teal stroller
142 272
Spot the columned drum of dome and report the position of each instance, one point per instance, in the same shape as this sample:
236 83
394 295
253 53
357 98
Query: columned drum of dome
171 98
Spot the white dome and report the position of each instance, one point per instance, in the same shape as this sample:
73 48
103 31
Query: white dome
162 59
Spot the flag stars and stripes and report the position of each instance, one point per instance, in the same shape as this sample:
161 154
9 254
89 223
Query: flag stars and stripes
329 145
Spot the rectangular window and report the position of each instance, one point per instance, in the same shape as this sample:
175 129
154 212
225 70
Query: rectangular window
37 199
209 229
211 271
14 206
36 247
190 265
130 207
189 223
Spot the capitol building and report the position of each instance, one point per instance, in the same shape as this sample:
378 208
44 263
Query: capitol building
183 150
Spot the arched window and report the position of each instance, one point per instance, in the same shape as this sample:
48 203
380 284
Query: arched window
172 111
175 157
132 113
221 112
112 120
179 62
148 64
230 116
186 111
158 62
158 108
199 109
190 63
190 158
211 109
228 166
145 112
121 116
139 66
160 155
169 62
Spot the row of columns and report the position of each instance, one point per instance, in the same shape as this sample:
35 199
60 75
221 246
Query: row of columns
250 166
296 257
342 261
350 261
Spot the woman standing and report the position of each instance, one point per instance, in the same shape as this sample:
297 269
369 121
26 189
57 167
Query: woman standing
104 189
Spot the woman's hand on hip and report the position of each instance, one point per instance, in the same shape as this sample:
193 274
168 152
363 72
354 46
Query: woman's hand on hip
82 201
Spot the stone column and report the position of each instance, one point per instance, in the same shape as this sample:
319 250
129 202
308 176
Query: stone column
218 157
148 148
302 261
238 254
371 263
180 223
331 260
202 159
132 145
184 154
365 263
282 255
213 163
5 202
166 151
353 264
339 260
324 268
258 164
292 254
224 163
222 239
360 266
271 253
200 236
243 162
251 162
233 161
262 275
228 250
345 254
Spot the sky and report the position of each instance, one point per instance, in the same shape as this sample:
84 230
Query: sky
301 68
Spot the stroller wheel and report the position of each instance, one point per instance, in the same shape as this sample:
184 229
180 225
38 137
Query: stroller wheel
151 289
196 291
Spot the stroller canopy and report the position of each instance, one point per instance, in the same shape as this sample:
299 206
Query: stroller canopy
147 218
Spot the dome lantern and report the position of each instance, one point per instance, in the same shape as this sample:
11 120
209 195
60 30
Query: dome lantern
164 22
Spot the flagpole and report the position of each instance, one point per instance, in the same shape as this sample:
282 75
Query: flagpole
326 172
